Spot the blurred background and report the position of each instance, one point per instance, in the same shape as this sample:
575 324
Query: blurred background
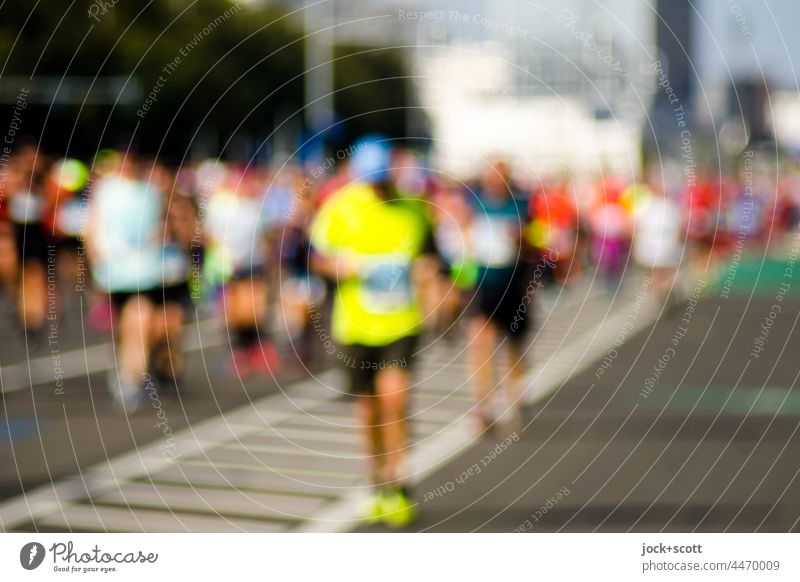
549 86
660 392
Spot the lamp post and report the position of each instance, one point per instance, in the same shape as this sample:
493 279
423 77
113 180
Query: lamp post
319 20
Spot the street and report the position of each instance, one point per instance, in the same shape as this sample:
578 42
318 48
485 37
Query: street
682 427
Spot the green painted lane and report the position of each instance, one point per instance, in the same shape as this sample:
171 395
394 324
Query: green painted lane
752 274
742 400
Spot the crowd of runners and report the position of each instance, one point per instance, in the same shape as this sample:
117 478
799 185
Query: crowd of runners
349 260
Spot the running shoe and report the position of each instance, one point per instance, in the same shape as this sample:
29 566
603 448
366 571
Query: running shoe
34 337
240 363
398 509
168 383
126 394
372 512
264 359
484 421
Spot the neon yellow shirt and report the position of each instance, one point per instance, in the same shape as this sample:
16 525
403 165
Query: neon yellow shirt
378 240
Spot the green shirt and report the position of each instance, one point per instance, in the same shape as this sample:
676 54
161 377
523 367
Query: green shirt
379 239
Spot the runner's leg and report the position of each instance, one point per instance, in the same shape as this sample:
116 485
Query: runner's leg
167 342
391 386
482 337
515 386
367 412
33 295
135 333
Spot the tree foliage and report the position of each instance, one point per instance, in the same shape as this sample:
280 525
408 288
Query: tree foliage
204 76
233 67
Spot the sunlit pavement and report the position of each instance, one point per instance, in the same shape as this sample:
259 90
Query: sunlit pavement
707 441
681 428
67 422
285 461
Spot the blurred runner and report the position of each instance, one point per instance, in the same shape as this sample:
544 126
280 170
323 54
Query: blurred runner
124 244
236 261
658 239
701 204
452 215
610 227
554 230
287 207
65 219
178 230
26 184
8 258
370 241
502 304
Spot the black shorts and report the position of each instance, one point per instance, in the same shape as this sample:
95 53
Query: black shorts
30 242
178 293
69 244
362 363
120 298
509 308
158 296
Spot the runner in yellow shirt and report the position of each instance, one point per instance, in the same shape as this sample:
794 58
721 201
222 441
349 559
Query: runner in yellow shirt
369 241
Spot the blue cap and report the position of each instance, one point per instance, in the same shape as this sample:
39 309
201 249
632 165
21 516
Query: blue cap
371 160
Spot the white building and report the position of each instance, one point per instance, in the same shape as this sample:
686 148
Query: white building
550 86
476 114
547 83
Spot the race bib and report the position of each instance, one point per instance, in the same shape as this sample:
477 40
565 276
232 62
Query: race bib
493 244
70 217
386 283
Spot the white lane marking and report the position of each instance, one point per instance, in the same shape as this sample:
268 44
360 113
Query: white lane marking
585 350
262 468
109 518
296 434
149 459
100 358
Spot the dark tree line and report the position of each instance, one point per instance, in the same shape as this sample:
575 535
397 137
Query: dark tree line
201 77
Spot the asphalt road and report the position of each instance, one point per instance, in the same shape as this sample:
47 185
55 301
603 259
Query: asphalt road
691 426
66 422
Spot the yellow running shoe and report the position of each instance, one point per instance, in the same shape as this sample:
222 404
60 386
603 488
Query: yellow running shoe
372 511
398 509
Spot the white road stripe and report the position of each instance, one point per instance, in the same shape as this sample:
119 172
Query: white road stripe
142 461
98 358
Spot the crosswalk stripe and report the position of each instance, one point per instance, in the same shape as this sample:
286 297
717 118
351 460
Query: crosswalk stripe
93 359
278 470
228 502
104 518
